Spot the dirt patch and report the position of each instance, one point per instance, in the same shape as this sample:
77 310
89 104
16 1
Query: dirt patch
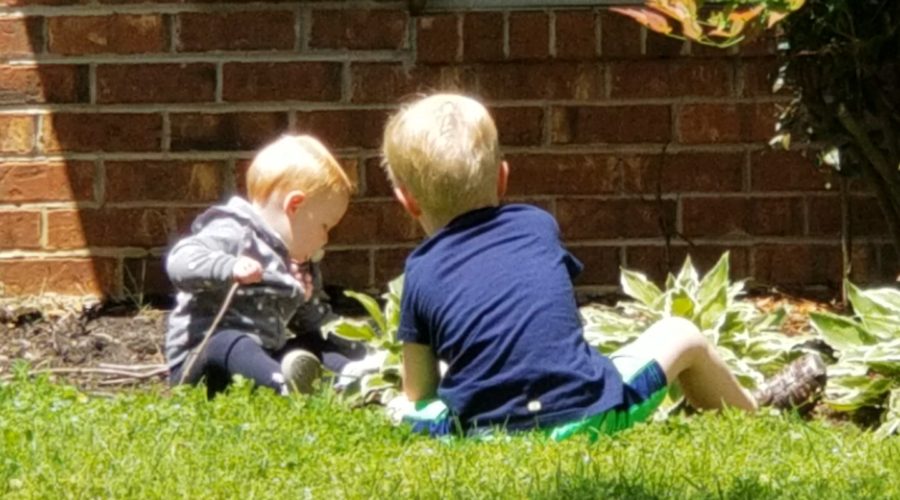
104 348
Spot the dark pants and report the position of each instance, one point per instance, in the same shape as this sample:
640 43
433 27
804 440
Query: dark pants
233 352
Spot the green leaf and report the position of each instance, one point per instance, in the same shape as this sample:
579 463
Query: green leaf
637 286
714 281
839 332
680 303
372 307
352 330
687 276
891 423
713 309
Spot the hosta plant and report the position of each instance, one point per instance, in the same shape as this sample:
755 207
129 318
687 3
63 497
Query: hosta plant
749 340
379 332
867 346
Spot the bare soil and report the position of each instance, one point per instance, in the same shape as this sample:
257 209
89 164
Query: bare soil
109 347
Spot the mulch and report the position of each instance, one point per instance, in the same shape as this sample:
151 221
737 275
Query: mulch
104 348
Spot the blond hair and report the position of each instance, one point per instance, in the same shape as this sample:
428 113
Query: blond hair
295 162
443 150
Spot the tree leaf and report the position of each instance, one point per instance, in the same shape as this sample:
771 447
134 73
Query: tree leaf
646 17
839 332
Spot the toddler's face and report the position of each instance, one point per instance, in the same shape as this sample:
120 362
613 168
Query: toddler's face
312 221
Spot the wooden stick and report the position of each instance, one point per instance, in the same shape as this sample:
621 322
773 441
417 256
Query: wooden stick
195 353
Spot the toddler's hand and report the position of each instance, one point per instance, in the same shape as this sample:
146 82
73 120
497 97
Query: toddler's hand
303 274
247 271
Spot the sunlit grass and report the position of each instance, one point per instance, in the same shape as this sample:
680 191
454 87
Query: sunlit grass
57 442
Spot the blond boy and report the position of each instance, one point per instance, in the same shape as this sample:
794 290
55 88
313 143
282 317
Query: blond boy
490 293
297 192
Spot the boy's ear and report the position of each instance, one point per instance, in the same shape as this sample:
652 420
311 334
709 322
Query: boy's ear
292 201
409 203
502 179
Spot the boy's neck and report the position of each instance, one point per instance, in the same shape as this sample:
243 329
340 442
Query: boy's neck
273 216
433 224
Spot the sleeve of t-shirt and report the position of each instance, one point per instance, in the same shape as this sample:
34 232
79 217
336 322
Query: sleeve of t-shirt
573 265
411 329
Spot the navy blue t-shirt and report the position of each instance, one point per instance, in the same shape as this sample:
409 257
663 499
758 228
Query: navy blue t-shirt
492 294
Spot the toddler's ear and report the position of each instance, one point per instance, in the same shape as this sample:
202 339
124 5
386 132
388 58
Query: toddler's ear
292 201
502 179
409 203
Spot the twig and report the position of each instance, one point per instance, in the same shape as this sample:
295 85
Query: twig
97 371
195 353
131 367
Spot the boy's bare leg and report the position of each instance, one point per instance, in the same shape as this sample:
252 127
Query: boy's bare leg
688 358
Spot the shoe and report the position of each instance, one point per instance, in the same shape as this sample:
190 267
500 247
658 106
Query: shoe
796 386
301 369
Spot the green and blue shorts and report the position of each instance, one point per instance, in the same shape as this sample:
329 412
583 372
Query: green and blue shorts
644 389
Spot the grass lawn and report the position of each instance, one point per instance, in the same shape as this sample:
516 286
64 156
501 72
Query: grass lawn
56 442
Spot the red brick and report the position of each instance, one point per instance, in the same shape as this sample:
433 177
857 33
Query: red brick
197 181
344 128
723 123
116 227
16 134
684 172
377 182
670 78
21 36
389 263
586 219
293 81
653 262
570 174
138 83
438 38
610 124
538 81
347 268
391 82
95 276
37 181
225 131
601 265
866 217
797 264
763 44
785 171
20 230
757 76
43 84
483 36
56 3
143 277
83 132
254 30
358 29
659 45
529 35
117 33
742 216
519 126
370 222
620 36
576 34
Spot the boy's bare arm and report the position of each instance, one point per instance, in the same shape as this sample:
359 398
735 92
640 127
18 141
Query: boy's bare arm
420 372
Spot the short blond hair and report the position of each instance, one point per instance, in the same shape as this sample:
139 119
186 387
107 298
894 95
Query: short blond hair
443 149
295 162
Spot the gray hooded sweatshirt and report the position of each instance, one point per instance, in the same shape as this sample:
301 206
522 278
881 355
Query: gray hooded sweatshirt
200 266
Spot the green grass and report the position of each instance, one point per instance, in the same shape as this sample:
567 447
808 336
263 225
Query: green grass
55 442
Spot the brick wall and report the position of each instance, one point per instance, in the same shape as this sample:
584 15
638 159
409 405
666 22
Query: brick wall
120 120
